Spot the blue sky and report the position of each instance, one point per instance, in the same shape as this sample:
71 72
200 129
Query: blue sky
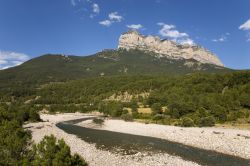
30 28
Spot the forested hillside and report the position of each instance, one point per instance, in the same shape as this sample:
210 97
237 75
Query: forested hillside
222 97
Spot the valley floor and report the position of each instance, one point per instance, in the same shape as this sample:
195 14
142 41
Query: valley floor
231 141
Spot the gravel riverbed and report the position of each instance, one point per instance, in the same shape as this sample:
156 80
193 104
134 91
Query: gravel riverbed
230 141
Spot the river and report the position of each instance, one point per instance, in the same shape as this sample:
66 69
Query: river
128 144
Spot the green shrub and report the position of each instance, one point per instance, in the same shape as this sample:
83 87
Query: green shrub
34 116
157 117
125 111
127 117
174 113
187 122
135 114
247 114
207 121
51 151
156 108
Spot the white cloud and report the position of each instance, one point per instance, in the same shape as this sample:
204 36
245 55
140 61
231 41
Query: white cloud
114 16
10 59
96 8
186 41
170 31
245 26
166 26
135 26
106 23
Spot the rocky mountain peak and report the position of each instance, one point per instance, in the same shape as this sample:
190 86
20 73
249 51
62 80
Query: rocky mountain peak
166 48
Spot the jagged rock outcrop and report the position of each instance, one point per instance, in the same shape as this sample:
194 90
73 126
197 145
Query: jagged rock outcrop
166 48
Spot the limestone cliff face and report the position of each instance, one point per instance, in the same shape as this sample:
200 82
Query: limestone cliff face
166 48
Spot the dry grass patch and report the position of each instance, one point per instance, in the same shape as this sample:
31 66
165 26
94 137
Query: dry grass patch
145 110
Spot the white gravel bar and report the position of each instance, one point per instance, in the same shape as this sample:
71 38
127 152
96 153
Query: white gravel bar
229 141
94 156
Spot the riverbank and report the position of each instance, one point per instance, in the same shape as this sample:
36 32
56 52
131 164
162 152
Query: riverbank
92 155
229 141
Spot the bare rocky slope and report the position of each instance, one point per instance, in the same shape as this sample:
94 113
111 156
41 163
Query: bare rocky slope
166 48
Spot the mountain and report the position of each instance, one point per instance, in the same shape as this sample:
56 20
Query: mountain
54 68
126 60
166 48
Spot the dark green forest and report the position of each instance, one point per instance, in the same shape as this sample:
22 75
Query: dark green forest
202 99
199 97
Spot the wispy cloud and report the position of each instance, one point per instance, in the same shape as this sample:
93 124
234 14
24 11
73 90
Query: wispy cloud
248 37
10 59
222 38
73 2
170 31
86 6
246 26
135 26
112 18
106 23
96 8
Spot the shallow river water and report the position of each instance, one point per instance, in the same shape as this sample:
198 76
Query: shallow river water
128 144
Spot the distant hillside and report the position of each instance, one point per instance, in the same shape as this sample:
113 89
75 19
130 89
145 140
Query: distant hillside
54 68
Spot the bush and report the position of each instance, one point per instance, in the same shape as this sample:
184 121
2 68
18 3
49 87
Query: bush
135 114
174 113
98 121
187 122
157 117
125 111
34 116
220 113
52 152
127 117
207 121
156 108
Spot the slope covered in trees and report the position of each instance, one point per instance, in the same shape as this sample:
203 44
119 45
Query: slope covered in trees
201 97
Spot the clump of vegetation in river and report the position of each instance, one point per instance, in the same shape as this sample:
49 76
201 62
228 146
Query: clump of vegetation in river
98 121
